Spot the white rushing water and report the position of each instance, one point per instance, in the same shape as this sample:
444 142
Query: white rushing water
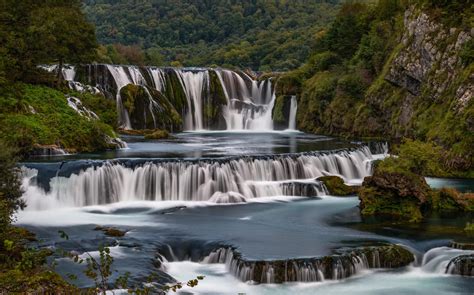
194 84
428 278
293 110
249 103
223 180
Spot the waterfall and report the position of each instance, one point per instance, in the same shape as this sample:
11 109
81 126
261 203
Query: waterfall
235 179
443 260
332 267
293 110
246 104
159 78
193 84
249 104
121 80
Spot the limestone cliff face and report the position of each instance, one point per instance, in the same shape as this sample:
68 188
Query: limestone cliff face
430 59
426 89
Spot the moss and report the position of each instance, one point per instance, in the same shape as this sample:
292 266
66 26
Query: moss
337 187
157 134
149 109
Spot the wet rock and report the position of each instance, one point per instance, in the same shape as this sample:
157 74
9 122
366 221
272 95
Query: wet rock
343 264
336 186
461 265
462 245
111 231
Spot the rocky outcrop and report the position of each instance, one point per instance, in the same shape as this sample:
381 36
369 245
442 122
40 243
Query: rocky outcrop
400 195
407 196
336 186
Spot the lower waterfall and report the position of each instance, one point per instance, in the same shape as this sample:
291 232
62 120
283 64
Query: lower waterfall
103 182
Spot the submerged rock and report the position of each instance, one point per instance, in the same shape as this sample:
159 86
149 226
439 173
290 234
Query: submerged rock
336 186
111 231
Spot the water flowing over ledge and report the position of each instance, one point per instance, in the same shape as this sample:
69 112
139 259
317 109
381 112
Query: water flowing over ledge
333 267
212 99
83 183
345 263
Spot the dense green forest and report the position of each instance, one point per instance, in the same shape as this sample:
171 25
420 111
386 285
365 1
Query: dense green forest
261 35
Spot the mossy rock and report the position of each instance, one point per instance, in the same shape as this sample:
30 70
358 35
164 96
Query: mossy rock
451 200
336 186
149 109
399 195
157 134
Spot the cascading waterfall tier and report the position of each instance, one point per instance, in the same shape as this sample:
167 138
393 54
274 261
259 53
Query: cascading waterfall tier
82 183
333 267
205 98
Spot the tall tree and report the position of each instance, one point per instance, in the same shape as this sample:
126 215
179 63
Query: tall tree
45 31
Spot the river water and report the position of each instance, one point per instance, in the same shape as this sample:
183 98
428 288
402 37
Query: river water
172 199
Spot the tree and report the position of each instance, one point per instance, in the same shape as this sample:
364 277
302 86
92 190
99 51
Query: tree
49 31
60 33
10 191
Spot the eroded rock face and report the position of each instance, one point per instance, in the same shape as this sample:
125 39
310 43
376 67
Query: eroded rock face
430 55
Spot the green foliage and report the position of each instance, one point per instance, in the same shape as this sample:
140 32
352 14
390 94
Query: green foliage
415 156
41 116
34 32
10 191
337 187
261 35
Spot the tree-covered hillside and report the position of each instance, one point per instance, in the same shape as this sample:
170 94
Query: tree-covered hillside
262 35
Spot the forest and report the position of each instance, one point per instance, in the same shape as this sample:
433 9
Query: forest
260 35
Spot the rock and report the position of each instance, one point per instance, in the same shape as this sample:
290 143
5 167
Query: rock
400 195
451 200
157 134
345 263
111 231
149 109
462 245
336 186
461 265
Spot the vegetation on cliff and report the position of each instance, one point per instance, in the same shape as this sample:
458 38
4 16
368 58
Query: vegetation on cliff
394 68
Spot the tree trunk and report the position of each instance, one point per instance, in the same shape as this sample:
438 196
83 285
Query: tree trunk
60 73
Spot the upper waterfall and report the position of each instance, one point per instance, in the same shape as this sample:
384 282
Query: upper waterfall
204 98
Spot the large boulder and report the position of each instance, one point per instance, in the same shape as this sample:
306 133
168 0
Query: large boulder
396 194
